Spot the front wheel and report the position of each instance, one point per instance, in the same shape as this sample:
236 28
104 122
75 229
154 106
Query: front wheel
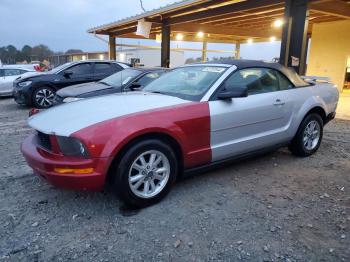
146 173
43 97
309 136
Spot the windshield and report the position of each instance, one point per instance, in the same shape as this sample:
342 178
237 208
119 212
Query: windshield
121 78
60 67
189 83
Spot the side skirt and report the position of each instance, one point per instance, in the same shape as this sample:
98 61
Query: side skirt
231 160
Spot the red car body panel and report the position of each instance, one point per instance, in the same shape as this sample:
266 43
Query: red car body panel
43 163
188 124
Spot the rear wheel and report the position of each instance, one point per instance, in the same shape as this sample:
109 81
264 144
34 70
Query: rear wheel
309 136
43 97
146 173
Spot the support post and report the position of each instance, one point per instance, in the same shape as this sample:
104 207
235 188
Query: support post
238 50
165 46
204 51
112 48
294 35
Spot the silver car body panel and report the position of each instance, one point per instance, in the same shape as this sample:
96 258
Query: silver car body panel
247 124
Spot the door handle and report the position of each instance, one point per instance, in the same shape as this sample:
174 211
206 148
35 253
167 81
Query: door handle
278 102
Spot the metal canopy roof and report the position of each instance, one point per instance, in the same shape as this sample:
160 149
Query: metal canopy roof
223 20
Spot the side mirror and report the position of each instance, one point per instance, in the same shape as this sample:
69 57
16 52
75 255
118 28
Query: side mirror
67 73
236 92
135 86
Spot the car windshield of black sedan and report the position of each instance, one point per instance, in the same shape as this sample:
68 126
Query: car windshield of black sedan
121 78
189 83
60 67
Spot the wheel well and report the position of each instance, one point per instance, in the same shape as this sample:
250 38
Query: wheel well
169 140
318 110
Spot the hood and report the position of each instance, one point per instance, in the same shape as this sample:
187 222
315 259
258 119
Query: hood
76 90
69 118
30 75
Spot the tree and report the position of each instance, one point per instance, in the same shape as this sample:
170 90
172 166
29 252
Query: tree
74 51
26 53
41 52
12 53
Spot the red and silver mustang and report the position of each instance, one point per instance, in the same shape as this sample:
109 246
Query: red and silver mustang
194 116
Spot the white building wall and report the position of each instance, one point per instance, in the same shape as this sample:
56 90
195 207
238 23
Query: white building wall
150 57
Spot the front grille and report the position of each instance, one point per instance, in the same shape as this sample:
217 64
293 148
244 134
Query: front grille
44 140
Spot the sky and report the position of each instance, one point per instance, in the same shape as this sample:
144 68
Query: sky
62 25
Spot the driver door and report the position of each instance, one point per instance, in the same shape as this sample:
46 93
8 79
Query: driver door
80 73
246 124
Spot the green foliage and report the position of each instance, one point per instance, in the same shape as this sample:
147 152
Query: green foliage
11 55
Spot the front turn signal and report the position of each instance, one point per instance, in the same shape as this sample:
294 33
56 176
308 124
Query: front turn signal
78 171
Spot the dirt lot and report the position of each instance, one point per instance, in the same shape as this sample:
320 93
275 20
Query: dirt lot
272 208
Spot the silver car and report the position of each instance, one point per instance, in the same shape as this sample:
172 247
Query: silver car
8 74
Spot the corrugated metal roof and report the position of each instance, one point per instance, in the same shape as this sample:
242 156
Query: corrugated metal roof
157 11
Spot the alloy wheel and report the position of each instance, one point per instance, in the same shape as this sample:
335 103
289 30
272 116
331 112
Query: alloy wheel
44 97
311 135
149 174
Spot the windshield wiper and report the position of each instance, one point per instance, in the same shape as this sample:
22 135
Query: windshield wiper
104 83
157 92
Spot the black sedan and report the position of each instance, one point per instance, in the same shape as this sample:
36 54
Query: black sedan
126 80
39 89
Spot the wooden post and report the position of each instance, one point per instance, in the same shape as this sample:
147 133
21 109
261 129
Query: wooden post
165 46
294 35
204 51
238 50
111 48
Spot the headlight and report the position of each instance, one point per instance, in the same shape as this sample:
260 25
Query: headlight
71 99
71 146
24 84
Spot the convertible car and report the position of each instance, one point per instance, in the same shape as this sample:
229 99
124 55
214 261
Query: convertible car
193 117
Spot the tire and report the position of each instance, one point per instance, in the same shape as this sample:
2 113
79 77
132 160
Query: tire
43 97
307 141
132 176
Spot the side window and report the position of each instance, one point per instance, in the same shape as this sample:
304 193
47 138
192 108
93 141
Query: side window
148 78
12 72
284 82
102 68
81 69
257 80
2 72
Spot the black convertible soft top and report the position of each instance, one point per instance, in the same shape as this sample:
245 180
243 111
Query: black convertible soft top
288 72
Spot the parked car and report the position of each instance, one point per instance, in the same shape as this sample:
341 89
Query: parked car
191 117
8 74
126 80
39 90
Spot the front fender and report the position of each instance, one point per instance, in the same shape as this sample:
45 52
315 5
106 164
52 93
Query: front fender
188 124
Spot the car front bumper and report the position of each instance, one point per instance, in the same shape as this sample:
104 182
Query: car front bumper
44 164
21 97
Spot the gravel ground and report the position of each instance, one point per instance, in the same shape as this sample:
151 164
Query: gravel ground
271 208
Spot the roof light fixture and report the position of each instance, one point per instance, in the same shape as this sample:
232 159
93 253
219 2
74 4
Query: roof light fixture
272 39
278 23
179 37
200 34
